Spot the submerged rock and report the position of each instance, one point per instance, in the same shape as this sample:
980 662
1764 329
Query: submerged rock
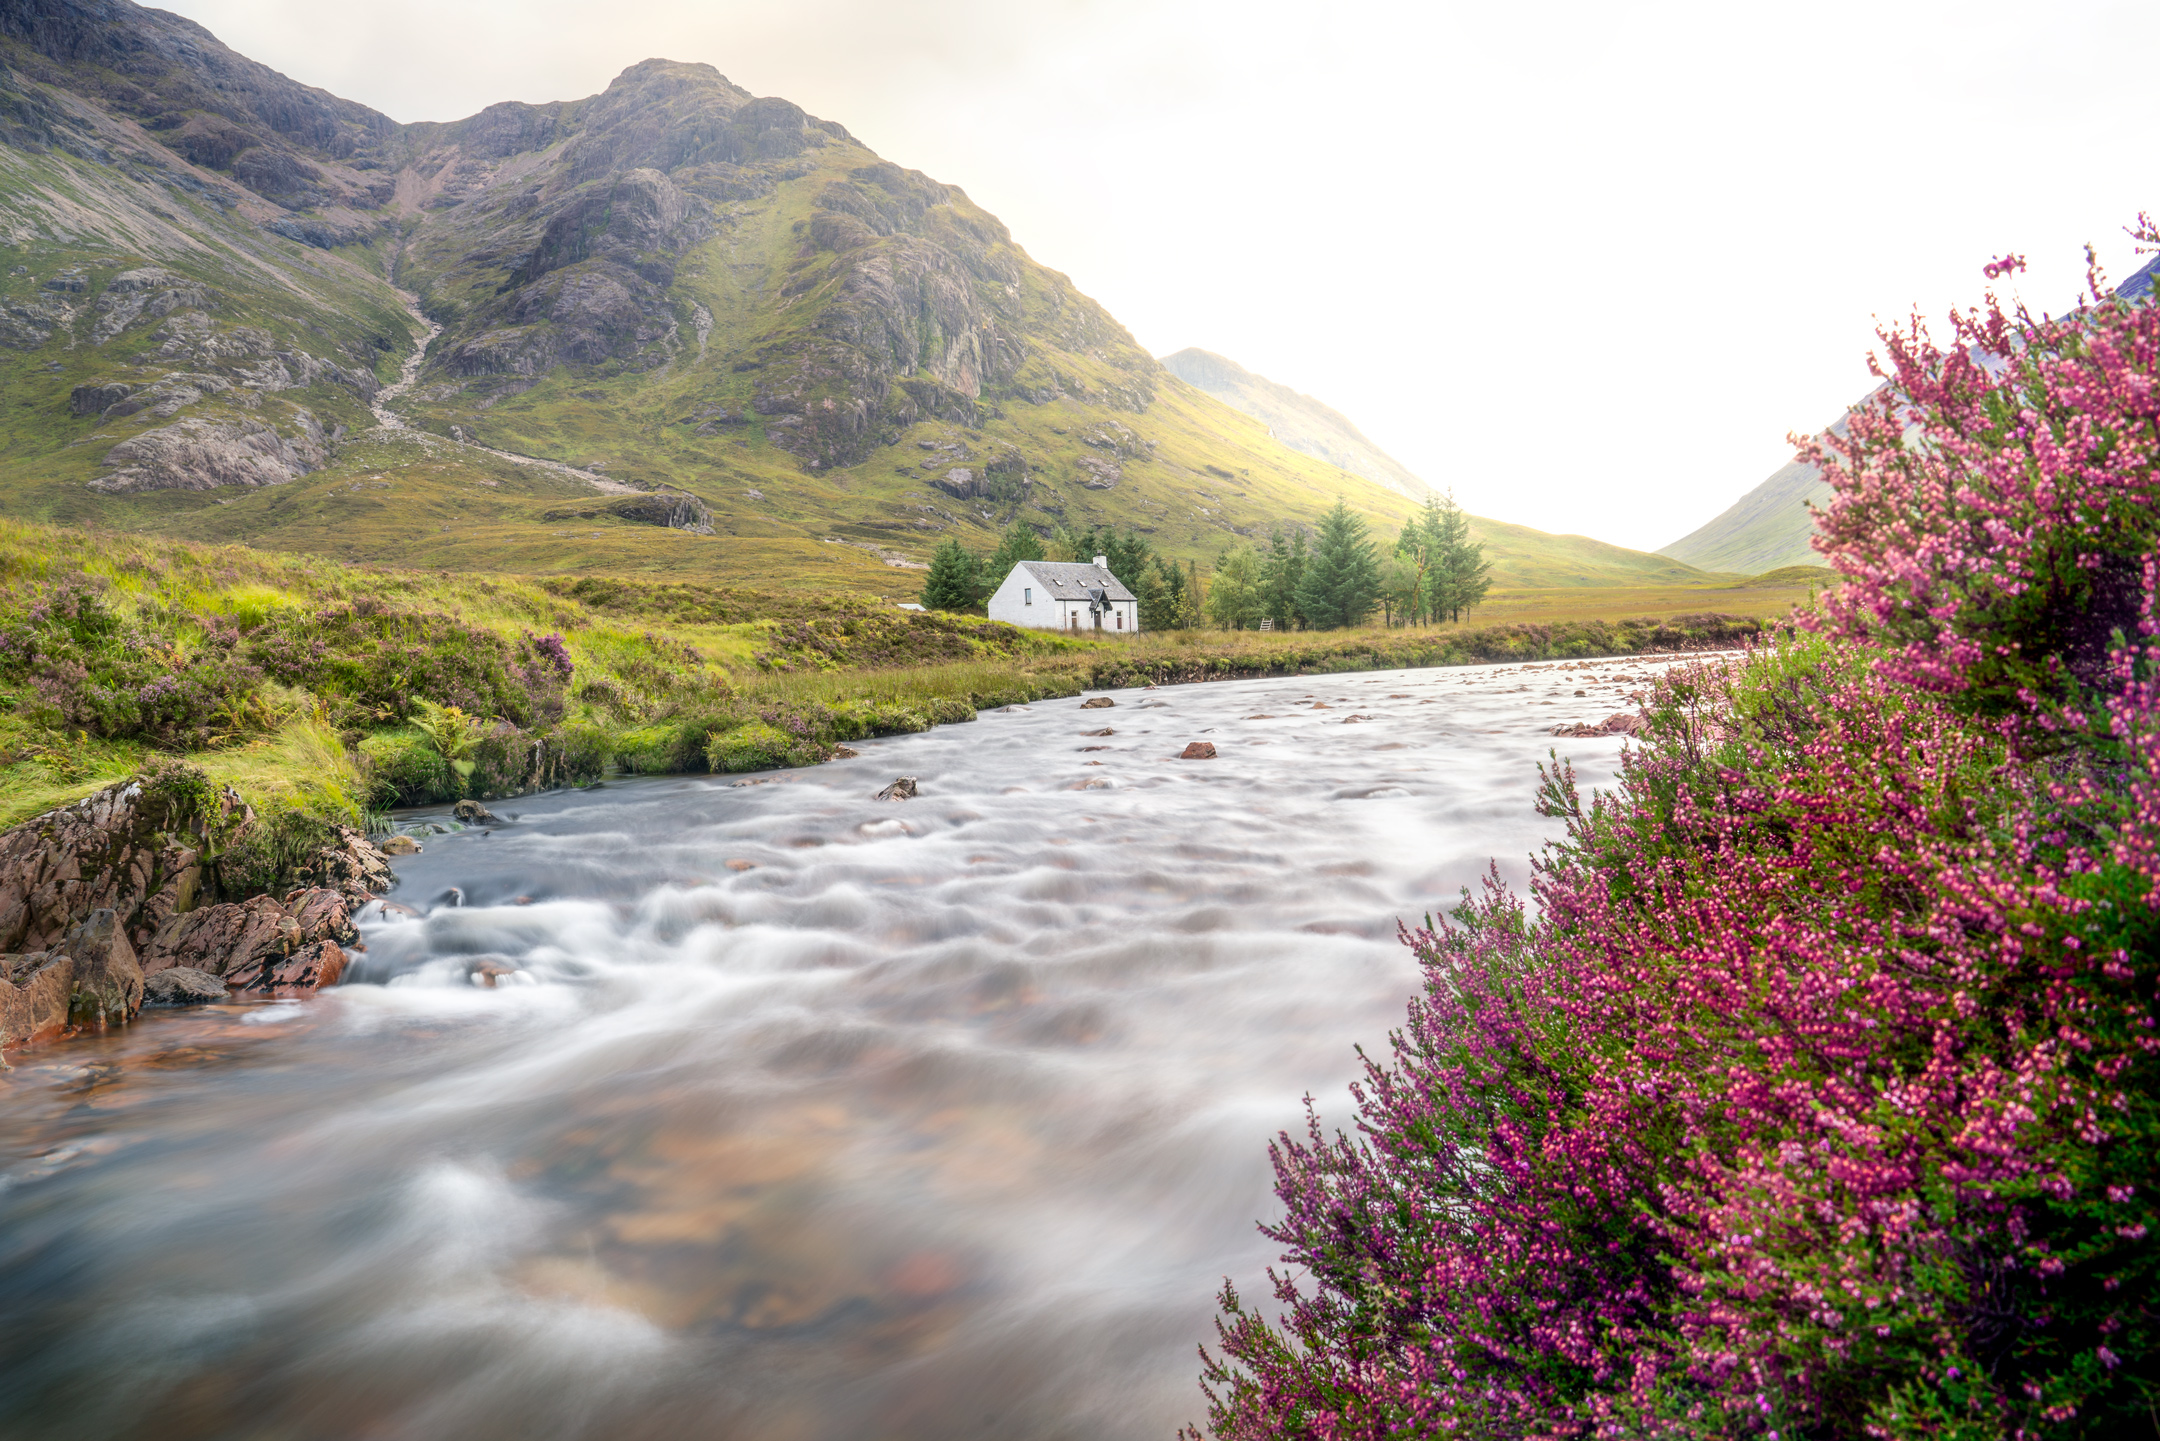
1097 702
1621 723
902 789
473 813
1198 751
399 846
182 986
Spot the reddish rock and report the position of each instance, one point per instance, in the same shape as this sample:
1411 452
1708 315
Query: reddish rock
1099 702
1198 751
254 945
308 969
35 990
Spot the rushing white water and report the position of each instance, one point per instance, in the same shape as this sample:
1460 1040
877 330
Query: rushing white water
791 1114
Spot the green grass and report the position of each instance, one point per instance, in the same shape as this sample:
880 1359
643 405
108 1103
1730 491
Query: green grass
660 671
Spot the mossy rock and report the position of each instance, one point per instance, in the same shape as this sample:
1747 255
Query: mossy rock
760 747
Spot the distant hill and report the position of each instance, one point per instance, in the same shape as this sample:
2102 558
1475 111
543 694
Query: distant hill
1769 527
1765 529
1298 421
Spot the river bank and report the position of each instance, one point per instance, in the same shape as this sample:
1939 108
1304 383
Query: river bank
322 692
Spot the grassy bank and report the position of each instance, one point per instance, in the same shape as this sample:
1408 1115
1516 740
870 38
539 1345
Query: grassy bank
326 691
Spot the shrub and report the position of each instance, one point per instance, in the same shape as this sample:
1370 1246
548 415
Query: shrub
1819 1093
382 663
405 770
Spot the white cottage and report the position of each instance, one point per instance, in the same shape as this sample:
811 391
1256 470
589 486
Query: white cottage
1067 596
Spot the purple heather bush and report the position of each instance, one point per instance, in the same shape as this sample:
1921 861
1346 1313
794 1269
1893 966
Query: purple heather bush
1818 1093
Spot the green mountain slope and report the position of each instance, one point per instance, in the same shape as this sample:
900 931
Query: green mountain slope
1298 421
1764 530
815 364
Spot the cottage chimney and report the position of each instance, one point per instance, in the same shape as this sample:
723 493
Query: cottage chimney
1102 562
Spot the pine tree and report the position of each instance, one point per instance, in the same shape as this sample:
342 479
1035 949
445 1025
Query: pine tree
1280 571
953 582
1461 577
1341 582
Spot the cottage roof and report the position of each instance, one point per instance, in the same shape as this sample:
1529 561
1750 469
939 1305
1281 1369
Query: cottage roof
1071 580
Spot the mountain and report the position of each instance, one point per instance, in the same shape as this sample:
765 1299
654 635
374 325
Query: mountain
673 328
1764 530
1298 421
1769 527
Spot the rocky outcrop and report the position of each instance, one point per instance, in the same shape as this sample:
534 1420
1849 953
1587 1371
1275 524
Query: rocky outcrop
198 453
260 944
674 509
132 850
100 897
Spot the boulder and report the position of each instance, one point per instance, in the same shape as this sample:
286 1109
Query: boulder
35 990
399 846
902 789
473 813
1097 702
108 982
304 971
1105 731
285 948
182 986
1198 751
92 399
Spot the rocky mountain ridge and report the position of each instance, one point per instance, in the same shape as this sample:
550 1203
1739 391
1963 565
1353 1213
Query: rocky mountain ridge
675 285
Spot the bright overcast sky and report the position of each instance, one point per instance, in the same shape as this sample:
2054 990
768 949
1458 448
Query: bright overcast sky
1587 263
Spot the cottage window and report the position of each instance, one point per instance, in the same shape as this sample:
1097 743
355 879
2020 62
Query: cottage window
1027 595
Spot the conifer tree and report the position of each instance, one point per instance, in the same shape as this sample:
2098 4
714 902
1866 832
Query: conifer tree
1341 582
953 582
1281 571
1460 577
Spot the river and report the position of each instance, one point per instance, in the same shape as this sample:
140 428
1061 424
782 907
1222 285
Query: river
790 1114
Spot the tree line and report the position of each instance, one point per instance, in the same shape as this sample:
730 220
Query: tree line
1169 594
1338 577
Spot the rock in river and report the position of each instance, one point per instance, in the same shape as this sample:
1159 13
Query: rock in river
1198 751
182 986
902 789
